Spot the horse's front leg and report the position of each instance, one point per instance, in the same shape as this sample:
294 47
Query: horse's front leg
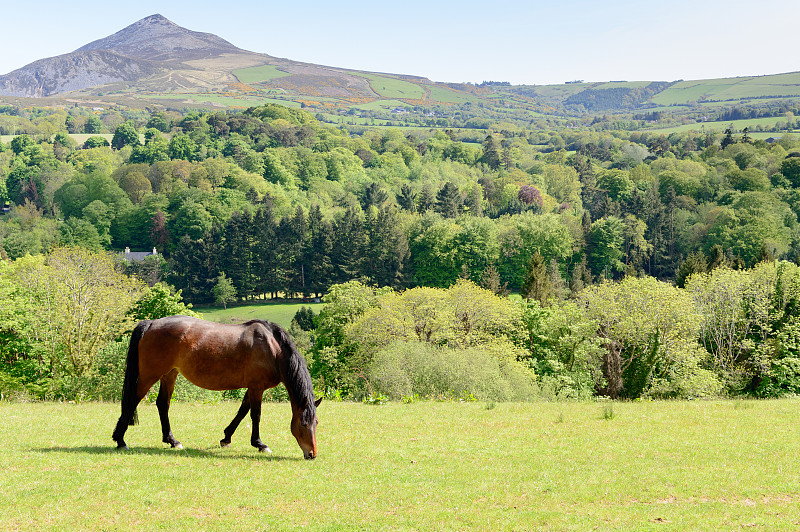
230 429
255 416
162 402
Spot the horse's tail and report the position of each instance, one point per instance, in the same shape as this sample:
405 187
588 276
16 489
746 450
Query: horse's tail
131 382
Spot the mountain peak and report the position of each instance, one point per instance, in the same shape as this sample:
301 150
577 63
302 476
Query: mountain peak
156 38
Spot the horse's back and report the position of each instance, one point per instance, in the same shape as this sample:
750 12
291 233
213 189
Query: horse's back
211 355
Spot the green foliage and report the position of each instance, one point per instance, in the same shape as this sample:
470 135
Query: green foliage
125 135
159 301
305 318
648 328
223 291
419 368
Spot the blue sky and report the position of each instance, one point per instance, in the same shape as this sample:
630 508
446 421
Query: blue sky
530 42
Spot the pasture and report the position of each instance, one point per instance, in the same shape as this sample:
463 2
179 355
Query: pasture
280 313
689 465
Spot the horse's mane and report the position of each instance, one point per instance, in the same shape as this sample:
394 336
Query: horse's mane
294 372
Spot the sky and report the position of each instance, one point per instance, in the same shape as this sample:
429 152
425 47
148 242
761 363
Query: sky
522 42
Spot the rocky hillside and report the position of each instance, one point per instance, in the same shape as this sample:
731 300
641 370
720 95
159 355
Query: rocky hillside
155 38
147 48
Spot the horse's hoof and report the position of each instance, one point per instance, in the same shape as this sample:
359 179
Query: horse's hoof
224 444
264 449
122 448
178 445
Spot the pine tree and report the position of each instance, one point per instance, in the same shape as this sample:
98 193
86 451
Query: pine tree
537 284
406 199
264 249
491 153
319 274
426 199
237 257
348 247
449 201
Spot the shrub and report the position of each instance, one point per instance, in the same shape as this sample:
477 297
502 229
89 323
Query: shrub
405 369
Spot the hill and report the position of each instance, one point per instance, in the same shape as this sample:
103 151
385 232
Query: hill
156 64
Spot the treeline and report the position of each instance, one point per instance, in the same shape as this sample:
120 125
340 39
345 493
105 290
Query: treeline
727 332
65 320
282 204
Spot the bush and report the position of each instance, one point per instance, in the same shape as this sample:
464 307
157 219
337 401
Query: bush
404 369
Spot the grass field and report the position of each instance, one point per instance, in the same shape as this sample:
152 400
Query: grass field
280 313
738 125
224 101
392 88
717 465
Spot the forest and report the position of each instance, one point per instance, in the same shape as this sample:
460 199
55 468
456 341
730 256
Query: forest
556 261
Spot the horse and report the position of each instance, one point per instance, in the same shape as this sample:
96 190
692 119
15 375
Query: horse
256 355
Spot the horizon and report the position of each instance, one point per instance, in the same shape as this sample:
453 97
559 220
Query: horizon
533 44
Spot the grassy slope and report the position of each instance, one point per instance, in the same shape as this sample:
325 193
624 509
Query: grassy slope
259 73
721 465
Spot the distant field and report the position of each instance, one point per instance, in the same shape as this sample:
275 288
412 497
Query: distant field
557 466
441 94
380 105
730 89
224 101
280 313
259 73
392 88
721 126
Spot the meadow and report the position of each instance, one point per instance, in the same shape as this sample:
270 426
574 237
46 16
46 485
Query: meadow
280 313
690 465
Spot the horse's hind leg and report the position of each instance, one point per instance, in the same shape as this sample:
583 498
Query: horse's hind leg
230 429
162 402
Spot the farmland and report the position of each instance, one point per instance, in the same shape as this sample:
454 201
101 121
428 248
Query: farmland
421 466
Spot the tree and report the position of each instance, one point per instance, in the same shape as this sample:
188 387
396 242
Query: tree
82 303
537 283
182 147
93 125
491 152
605 244
125 135
136 186
449 201
649 330
159 301
728 139
407 198
223 291
790 168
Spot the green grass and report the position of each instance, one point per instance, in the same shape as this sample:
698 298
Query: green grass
738 125
381 105
422 466
227 101
280 313
259 73
730 89
442 94
392 88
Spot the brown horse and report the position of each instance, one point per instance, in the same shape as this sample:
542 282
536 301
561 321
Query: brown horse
256 355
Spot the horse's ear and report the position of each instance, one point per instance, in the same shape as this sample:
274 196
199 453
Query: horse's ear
318 401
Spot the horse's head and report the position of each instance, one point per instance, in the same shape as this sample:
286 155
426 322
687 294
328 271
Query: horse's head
304 429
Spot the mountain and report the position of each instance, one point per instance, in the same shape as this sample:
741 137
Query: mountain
157 64
75 71
155 38
147 48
